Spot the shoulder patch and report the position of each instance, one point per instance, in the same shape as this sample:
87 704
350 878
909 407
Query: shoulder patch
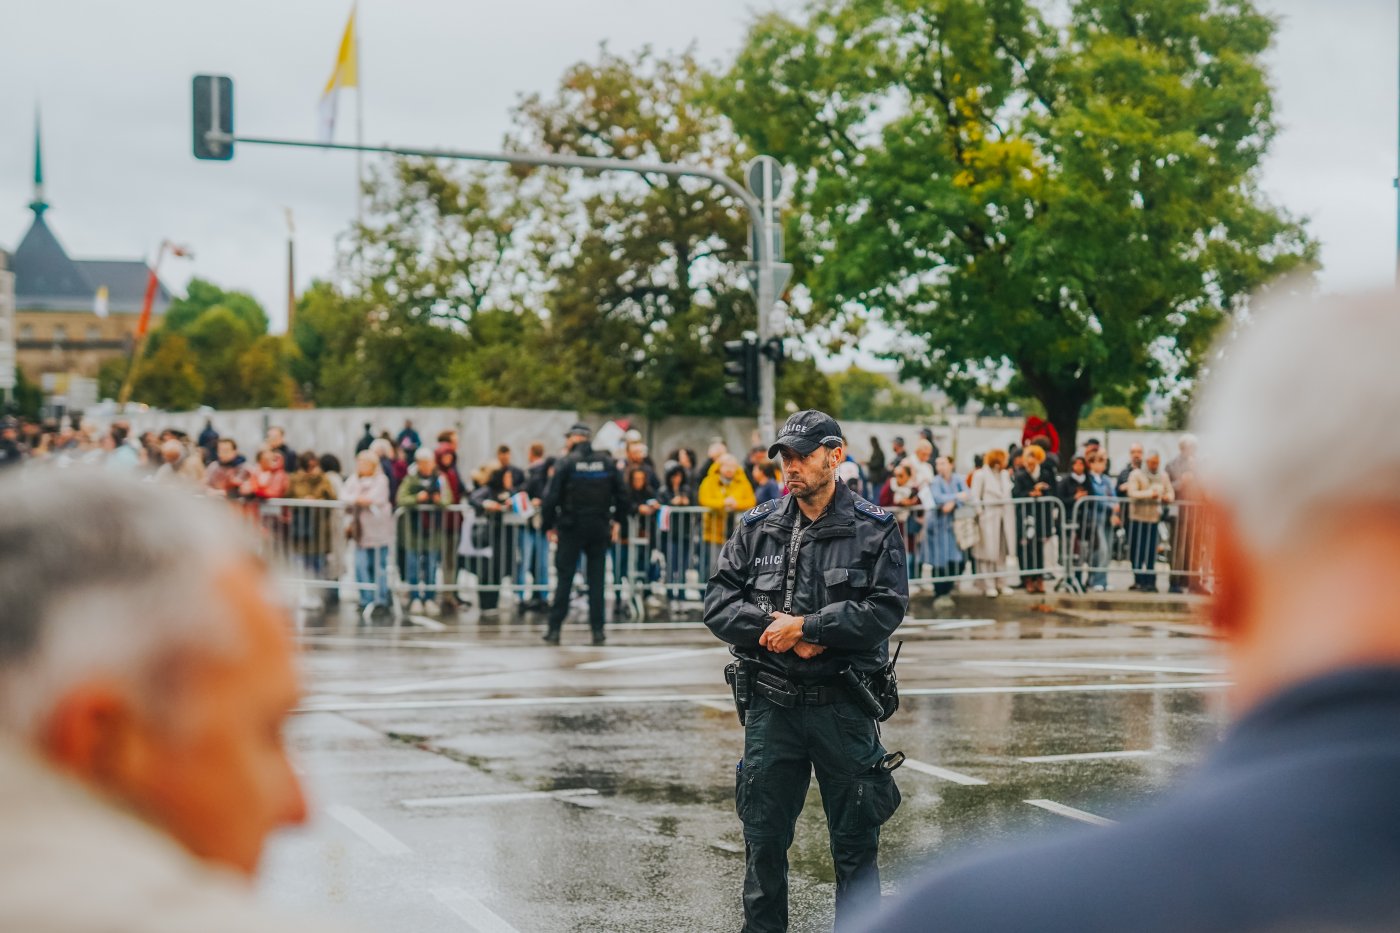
871 510
761 512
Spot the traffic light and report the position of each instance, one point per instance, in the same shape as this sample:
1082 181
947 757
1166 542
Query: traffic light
741 364
773 349
213 113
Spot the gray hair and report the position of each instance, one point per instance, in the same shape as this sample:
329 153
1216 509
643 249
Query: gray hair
101 575
1313 359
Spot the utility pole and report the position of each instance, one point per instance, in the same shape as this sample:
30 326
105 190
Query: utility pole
214 139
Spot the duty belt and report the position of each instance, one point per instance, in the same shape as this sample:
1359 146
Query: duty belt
787 694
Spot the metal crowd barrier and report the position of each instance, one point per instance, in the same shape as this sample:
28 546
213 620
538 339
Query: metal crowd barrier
460 555
984 546
464 555
1112 548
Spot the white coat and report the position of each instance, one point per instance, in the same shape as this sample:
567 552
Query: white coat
71 862
996 522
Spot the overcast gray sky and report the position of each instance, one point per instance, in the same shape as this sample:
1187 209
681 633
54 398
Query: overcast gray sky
113 80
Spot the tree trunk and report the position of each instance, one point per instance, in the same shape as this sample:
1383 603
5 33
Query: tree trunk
1063 411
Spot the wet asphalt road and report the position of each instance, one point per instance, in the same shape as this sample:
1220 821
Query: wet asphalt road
472 778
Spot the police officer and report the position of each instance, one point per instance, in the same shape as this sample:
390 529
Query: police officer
582 508
811 585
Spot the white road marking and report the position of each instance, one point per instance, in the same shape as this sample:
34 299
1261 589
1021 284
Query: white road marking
961 623
1067 688
462 800
478 916
427 622
957 777
368 830
646 658
349 642
1099 666
939 623
605 699
446 683
1074 814
1089 756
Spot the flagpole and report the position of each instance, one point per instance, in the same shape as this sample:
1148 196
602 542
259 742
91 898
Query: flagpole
359 122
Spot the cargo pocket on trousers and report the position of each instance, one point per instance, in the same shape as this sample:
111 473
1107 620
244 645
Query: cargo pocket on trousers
873 799
747 792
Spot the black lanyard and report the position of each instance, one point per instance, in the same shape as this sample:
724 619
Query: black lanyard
798 529
794 545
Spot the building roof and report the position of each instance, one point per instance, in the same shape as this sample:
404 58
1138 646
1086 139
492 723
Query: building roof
46 279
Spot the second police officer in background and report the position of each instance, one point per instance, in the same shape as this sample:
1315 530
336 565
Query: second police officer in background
584 504
808 591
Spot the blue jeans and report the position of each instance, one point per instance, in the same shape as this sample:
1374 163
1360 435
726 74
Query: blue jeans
372 569
1142 550
1095 553
426 564
534 545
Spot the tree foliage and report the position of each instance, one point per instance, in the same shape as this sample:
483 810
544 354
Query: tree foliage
1073 197
865 396
212 348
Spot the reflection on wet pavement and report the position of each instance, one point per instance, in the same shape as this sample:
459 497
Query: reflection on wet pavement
474 779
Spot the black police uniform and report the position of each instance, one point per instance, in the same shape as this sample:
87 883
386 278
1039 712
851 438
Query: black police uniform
583 499
845 573
1291 825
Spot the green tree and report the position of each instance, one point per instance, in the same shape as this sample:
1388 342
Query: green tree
201 295
1072 196
28 396
645 282
329 330
169 377
865 396
1110 418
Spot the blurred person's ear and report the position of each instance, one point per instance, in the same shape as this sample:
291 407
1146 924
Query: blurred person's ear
1234 573
97 735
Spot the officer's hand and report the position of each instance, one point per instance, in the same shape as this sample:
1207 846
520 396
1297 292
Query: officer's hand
783 633
616 532
553 536
807 651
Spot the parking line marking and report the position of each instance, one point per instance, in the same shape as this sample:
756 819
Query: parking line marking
1089 756
1082 816
478 916
645 659
957 777
1099 666
368 830
460 800
625 699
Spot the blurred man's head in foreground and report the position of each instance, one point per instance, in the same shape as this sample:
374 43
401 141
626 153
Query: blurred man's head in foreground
1305 556
144 653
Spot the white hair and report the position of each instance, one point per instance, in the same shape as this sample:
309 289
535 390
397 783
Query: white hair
104 576
1328 367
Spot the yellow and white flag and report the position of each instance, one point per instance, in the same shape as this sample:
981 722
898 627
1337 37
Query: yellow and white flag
345 74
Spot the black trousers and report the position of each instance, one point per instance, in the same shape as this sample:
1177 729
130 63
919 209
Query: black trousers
593 543
782 747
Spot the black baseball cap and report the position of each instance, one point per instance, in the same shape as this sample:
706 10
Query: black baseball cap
579 430
807 430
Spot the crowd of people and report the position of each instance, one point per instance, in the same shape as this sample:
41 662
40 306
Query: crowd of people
961 529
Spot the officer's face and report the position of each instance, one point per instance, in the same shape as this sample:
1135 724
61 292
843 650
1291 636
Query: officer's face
810 475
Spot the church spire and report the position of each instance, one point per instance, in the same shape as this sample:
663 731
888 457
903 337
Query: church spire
38 205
